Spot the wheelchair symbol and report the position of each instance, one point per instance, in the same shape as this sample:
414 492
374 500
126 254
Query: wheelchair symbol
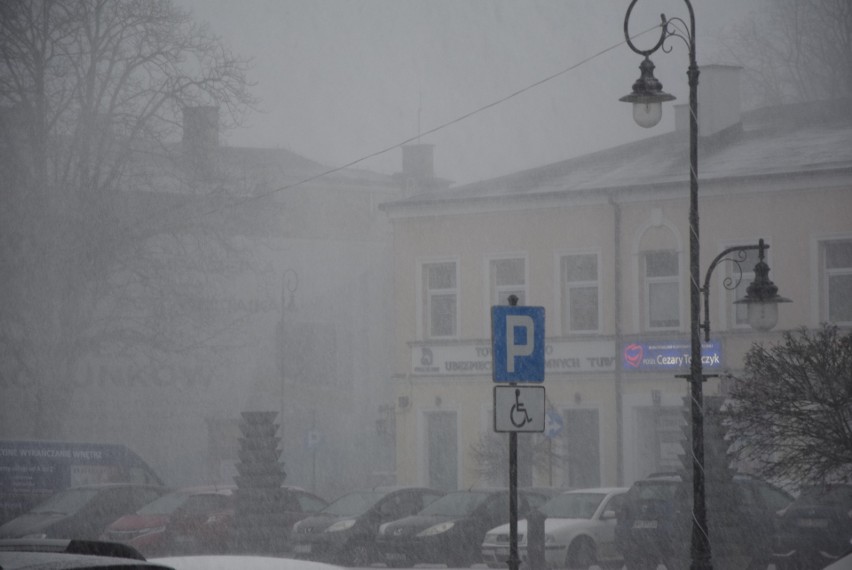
519 411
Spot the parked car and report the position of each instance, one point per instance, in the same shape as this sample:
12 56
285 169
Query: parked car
538 496
842 563
32 471
35 554
655 519
204 514
815 529
579 530
448 531
197 520
81 512
345 531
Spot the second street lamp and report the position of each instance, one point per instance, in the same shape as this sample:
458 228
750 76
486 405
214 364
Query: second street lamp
762 298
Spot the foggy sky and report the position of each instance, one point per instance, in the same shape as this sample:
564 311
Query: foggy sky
342 79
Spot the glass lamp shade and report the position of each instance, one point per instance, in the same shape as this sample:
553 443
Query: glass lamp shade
647 96
762 297
762 316
647 114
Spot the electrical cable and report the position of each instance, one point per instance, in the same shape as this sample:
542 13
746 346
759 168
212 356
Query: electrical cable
432 130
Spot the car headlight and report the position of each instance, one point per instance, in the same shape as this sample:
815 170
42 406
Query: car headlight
383 527
341 525
437 529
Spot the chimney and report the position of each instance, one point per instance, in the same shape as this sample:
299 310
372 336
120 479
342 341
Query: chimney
201 137
418 170
718 100
200 128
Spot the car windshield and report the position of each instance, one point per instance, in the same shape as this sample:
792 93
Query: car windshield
455 504
657 490
827 496
165 505
67 501
573 505
353 504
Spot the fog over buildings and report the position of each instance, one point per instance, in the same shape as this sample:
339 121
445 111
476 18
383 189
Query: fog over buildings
339 81
409 164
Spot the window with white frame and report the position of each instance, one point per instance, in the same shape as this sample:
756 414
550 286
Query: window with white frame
440 299
662 289
836 275
508 277
580 293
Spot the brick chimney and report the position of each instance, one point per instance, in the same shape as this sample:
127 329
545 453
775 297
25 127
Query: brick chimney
418 168
719 106
200 128
200 137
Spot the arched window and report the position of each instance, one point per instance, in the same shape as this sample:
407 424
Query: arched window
658 255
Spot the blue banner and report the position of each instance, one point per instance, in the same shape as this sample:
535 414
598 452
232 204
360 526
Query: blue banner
668 356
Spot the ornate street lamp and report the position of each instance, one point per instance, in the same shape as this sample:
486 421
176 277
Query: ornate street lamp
762 298
647 96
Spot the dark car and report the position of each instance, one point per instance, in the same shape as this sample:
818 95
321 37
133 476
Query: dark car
50 554
654 522
450 530
81 512
345 531
815 529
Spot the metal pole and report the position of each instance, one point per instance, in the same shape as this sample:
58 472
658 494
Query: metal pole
514 561
700 557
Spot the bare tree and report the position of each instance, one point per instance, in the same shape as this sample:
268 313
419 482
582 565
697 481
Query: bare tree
796 51
791 414
491 456
91 95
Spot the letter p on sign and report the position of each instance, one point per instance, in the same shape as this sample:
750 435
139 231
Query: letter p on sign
517 343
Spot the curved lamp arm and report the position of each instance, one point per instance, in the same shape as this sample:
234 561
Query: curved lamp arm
730 284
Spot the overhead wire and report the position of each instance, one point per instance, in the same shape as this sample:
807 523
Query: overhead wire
419 135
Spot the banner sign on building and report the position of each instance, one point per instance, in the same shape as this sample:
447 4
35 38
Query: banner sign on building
474 359
668 356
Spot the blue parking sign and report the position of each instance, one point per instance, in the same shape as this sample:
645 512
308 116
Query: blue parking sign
517 343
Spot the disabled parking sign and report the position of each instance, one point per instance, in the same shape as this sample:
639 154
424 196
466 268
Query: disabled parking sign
517 343
519 409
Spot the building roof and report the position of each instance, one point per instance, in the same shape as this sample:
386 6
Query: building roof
782 141
250 191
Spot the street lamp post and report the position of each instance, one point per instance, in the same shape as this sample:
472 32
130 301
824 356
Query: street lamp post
647 97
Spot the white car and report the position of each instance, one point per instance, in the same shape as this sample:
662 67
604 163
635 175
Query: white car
579 531
239 562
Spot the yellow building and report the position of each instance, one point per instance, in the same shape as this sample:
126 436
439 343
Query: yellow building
601 242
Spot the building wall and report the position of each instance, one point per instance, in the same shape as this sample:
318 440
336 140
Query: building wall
791 215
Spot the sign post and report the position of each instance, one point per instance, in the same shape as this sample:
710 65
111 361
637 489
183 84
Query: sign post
517 351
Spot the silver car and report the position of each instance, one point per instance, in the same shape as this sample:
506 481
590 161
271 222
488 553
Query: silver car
579 531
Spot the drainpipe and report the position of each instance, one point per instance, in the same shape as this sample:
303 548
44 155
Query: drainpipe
619 406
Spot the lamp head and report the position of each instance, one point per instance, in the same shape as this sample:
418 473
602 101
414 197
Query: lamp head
762 297
647 96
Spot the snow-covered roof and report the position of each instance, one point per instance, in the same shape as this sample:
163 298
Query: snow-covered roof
777 141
